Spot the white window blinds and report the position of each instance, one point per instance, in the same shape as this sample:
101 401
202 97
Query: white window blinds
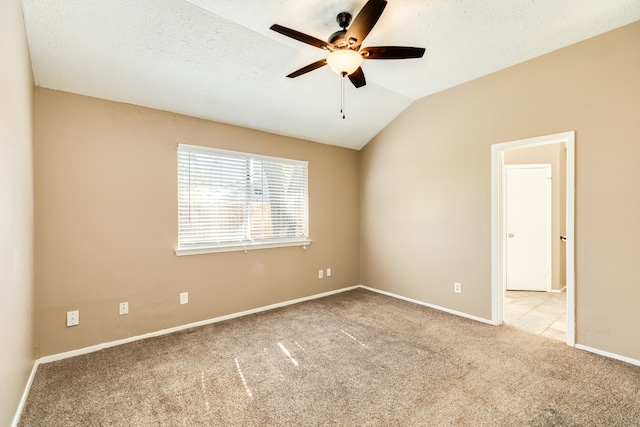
232 201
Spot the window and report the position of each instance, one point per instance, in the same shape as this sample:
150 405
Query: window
238 201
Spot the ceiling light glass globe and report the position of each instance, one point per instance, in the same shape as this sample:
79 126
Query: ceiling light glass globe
344 61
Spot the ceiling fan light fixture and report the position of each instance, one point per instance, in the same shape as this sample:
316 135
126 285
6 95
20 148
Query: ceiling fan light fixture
344 61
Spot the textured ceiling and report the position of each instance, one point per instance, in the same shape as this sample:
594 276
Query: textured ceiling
218 60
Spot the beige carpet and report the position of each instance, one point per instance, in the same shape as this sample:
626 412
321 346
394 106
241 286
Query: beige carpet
352 359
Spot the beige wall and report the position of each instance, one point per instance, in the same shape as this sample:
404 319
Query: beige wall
556 156
106 223
426 180
17 326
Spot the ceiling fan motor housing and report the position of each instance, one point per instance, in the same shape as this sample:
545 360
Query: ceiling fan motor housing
337 39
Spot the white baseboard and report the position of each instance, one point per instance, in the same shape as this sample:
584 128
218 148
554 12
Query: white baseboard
607 354
437 307
97 347
562 289
25 394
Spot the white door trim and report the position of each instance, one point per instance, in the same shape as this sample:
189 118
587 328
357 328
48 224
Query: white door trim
503 218
497 244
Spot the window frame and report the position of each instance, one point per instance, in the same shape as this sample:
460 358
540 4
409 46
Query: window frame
244 245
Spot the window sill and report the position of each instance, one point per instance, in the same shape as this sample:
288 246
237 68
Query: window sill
239 248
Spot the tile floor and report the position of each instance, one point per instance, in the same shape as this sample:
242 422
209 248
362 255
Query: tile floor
541 313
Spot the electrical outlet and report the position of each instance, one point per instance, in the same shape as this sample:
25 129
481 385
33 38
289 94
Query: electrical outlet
184 297
73 318
320 274
328 272
457 288
124 308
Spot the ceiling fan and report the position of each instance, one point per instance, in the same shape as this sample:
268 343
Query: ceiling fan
346 54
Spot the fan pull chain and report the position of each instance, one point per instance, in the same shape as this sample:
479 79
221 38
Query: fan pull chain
342 97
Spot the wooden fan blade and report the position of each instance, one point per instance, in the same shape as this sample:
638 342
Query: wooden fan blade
301 37
392 52
310 67
364 22
357 78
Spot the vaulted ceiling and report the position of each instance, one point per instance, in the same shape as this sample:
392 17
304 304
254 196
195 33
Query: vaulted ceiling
218 59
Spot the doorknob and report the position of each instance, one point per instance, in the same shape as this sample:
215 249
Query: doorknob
511 235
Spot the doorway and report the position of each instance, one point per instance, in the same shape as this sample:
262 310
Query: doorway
500 232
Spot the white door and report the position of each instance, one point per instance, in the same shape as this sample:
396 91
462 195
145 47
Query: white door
528 227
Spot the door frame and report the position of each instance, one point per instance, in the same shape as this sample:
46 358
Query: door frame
548 227
497 227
